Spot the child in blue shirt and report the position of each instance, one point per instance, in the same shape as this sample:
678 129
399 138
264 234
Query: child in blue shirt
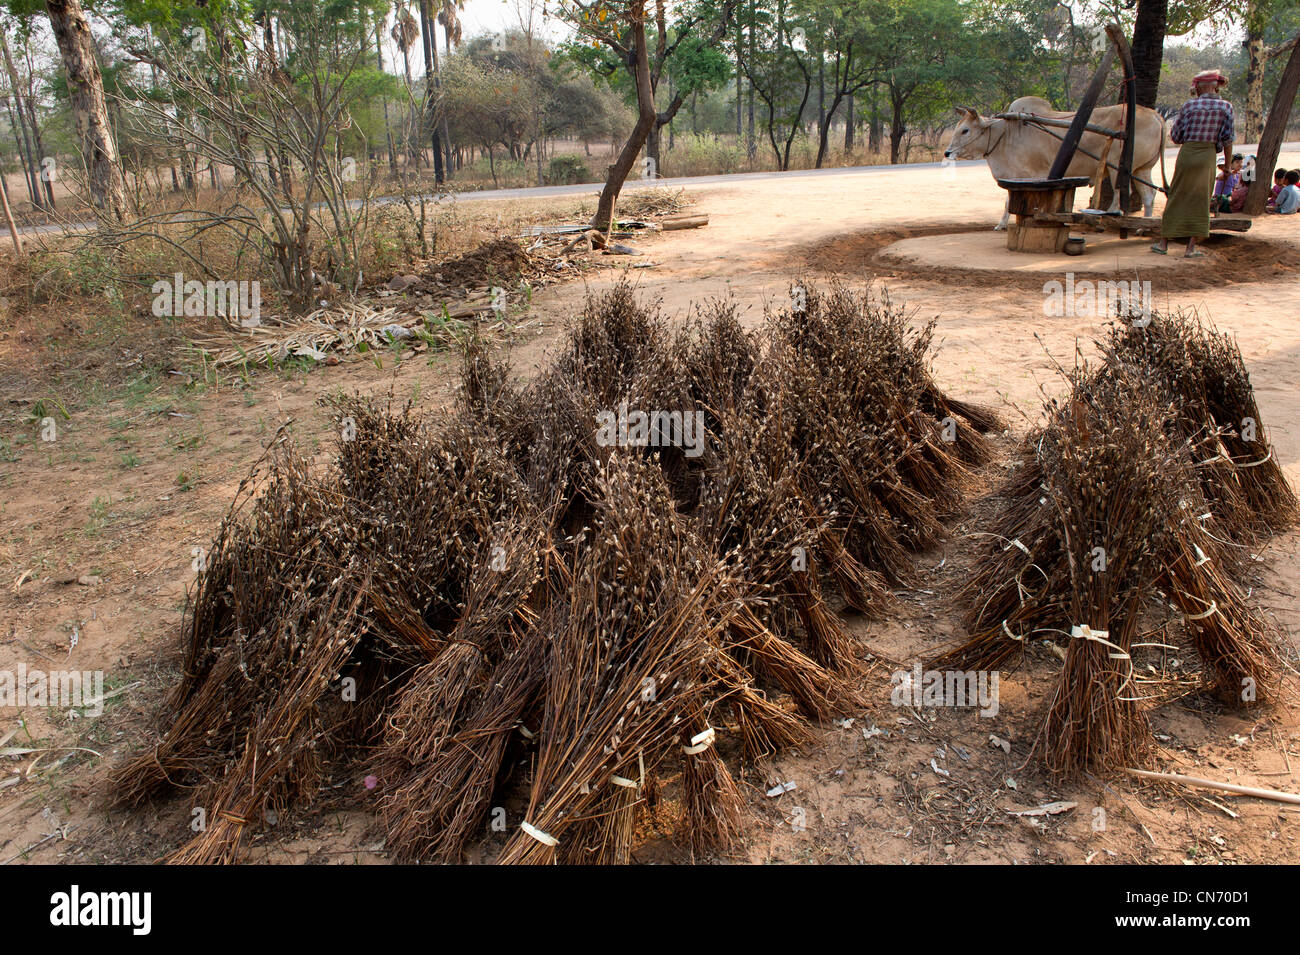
1288 200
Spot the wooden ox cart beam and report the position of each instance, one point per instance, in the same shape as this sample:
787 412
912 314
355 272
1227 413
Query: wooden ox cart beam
1062 123
1229 223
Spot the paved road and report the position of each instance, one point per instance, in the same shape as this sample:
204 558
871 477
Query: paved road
538 192
543 192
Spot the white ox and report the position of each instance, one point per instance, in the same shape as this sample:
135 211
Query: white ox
1018 150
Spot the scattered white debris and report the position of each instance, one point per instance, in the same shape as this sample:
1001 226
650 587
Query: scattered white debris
1047 809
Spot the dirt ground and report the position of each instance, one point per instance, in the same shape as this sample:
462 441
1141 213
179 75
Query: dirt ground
98 531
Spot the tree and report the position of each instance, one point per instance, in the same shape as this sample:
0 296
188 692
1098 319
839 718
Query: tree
1265 22
1270 143
620 28
685 50
431 90
89 110
1148 48
626 37
921 49
495 100
779 69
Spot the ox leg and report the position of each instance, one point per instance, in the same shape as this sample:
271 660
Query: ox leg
1113 175
1148 196
1006 217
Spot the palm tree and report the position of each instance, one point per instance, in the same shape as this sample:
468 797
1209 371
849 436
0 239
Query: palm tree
450 21
406 33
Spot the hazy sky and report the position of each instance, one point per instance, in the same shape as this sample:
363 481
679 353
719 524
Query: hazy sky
491 16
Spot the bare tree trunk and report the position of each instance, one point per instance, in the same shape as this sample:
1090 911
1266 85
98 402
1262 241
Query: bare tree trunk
446 135
9 218
751 142
25 155
740 92
31 118
848 124
1257 12
388 129
430 92
86 93
896 126
1149 48
874 128
33 152
821 93
604 217
1270 142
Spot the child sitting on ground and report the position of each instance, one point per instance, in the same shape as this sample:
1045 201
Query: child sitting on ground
1238 200
1279 183
1288 200
1228 179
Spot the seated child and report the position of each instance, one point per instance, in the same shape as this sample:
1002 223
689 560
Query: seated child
1279 183
1229 178
1288 200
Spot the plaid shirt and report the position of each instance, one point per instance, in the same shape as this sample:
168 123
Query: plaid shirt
1206 119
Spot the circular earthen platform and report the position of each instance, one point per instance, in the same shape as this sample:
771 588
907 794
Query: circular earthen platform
1105 253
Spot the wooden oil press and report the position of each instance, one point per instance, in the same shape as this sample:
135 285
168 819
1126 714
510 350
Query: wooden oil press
1044 208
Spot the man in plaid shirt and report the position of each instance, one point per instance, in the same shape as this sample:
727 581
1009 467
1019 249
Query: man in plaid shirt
1204 127
1206 119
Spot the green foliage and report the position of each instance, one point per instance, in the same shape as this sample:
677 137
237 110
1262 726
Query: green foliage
566 170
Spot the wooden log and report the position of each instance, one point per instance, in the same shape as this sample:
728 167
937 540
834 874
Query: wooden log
1084 113
683 222
1032 234
1062 123
1124 176
1228 223
1026 200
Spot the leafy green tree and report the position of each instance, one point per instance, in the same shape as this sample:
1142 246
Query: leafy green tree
684 48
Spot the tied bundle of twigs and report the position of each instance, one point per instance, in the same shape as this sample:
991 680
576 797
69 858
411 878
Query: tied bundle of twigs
1204 369
1110 482
628 660
497 580
1111 512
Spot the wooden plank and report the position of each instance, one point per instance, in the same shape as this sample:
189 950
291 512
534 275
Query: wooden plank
1124 175
1062 123
1229 223
1084 113
683 222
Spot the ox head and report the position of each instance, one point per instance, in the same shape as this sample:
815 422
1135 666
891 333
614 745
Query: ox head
968 140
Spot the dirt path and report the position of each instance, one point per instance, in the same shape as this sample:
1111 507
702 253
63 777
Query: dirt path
139 476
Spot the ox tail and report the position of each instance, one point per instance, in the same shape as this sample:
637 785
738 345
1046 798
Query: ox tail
1163 177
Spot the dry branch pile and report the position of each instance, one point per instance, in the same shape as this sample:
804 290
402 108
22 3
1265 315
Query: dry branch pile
335 333
501 261
548 600
1130 512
